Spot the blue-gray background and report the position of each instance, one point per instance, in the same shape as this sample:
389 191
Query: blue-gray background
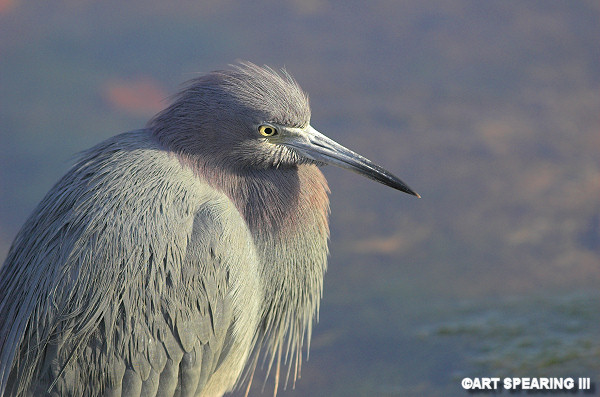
489 109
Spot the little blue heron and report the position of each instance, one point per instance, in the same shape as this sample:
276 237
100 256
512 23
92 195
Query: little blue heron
168 259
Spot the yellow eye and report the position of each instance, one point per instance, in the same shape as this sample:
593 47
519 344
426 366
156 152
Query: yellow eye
267 130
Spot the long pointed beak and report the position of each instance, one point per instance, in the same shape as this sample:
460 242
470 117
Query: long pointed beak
313 145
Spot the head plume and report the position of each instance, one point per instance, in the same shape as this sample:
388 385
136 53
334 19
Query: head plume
221 110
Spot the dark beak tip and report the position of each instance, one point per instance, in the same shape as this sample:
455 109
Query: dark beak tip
412 192
405 189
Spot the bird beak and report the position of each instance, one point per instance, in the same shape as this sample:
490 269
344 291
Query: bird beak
313 145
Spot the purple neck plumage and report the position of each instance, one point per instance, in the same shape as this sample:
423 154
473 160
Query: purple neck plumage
271 200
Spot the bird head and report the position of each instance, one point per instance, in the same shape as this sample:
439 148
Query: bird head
252 117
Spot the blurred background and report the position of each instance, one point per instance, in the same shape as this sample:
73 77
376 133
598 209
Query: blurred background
490 110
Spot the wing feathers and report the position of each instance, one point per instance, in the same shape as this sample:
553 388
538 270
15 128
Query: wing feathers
138 291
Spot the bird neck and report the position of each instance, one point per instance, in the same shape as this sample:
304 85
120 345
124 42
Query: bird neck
286 210
275 201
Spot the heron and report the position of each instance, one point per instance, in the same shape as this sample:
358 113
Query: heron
168 259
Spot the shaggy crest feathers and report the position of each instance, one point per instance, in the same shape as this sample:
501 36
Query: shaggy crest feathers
263 89
215 117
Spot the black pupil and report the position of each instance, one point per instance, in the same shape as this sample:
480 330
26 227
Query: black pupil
268 130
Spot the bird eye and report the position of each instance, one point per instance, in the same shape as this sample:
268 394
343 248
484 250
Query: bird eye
267 130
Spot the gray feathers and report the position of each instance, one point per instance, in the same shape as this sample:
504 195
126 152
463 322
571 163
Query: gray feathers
135 284
167 259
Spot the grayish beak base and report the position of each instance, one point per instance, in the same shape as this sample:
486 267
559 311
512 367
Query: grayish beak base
313 145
